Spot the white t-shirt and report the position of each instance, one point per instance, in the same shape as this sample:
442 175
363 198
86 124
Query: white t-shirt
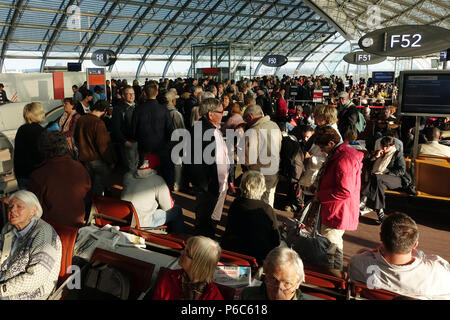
427 277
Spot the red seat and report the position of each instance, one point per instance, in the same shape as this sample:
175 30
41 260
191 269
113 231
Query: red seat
324 285
164 240
114 212
68 235
230 257
140 271
361 291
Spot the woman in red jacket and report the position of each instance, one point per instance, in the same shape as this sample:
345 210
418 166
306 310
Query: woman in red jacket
281 106
339 185
198 261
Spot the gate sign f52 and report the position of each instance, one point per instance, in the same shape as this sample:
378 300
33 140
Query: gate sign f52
274 60
406 41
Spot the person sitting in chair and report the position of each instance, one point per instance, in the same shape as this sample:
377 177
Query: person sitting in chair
198 262
388 172
150 195
397 266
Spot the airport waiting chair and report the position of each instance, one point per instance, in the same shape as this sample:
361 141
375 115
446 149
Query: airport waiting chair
360 291
322 284
112 211
165 241
140 271
231 257
68 236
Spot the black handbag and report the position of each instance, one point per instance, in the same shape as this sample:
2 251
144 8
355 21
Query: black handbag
311 246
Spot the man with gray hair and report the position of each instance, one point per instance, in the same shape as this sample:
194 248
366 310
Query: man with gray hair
284 273
194 100
209 170
262 148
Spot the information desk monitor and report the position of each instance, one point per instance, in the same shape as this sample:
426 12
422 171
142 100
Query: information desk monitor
425 93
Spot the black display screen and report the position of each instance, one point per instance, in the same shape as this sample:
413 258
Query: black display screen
383 76
425 94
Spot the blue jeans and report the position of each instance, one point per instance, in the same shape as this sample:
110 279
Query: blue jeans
173 216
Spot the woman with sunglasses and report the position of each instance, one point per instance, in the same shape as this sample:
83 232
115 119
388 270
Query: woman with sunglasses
193 281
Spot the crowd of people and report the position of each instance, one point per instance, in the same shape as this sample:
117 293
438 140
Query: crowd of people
246 139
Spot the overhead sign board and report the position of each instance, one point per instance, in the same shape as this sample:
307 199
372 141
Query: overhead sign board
363 58
406 40
274 60
103 58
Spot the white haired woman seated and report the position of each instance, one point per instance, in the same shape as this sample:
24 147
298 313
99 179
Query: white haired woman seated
198 261
30 256
252 226
283 275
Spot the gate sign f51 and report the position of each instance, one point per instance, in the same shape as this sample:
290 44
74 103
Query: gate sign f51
363 58
406 41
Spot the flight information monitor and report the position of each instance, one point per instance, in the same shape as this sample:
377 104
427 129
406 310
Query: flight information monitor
383 76
425 93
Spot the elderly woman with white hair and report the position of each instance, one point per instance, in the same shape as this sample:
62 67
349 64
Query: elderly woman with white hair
198 262
283 275
30 256
252 226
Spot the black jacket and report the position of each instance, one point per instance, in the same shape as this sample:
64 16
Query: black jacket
122 117
26 152
250 228
348 118
202 175
151 127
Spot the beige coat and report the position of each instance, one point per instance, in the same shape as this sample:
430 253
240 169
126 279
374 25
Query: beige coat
262 146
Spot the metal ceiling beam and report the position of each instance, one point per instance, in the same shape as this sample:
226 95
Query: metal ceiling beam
95 15
15 17
223 27
312 52
97 31
247 29
282 41
163 31
327 55
143 34
209 12
54 36
130 33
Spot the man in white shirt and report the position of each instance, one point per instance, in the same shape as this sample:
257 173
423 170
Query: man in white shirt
433 147
209 167
398 267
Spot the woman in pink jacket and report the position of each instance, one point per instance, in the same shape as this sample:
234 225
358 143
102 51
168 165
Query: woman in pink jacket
339 185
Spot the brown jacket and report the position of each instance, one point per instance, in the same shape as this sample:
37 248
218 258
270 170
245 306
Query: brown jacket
93 140
61 184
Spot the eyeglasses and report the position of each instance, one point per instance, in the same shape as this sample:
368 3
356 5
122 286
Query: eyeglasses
285 286
218 111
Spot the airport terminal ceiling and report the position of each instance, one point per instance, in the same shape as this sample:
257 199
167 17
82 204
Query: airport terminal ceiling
316 32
